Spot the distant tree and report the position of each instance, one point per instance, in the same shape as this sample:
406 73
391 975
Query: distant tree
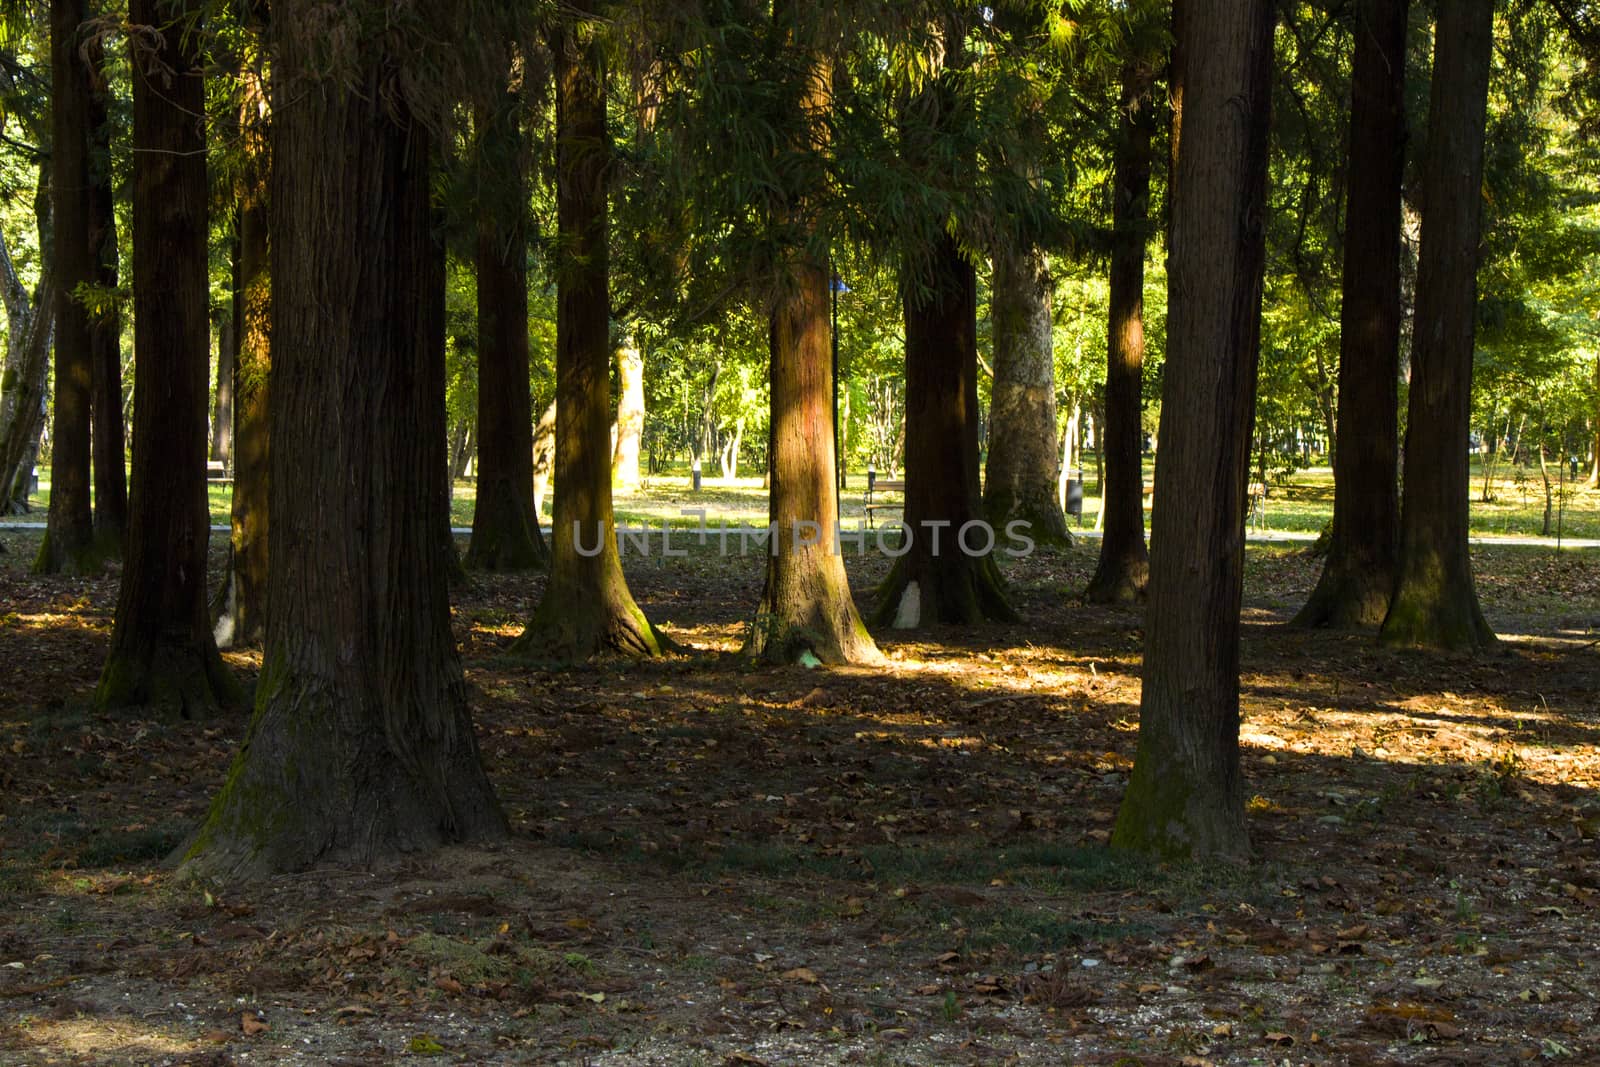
1124 565
1435 601
1185 797
163 654
1359 573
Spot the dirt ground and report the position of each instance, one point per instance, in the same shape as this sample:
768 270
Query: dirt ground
725 865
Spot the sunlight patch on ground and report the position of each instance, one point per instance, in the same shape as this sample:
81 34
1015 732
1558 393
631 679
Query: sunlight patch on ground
125 1040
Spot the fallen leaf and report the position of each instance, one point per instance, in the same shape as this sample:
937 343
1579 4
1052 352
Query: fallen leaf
801 974
252 1024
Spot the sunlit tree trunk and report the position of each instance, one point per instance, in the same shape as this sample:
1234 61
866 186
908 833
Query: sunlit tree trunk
505 528
586 608
162 654
1124 565
361 746
1022 466
630 416
69 543
1359 574
24 381
1435 602
1185 797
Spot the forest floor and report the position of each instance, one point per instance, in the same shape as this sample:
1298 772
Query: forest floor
712 863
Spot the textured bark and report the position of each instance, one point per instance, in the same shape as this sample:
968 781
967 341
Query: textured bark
109 445
936 579
69 543
586 609
630 416
1021 476
163 655
242 606
1185 797
361 746
1435 602
30 325
806 606
1358 576
222 406
544 455
505 528
1124 565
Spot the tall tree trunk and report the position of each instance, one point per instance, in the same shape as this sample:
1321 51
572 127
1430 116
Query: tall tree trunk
227 357
586 608
947 573
1021 482
163 655
242 611
630 416
362 745
109 445
1124 565
544 456
505 528
69 543
806 606
30 326
1435 601
1363 550
1186 797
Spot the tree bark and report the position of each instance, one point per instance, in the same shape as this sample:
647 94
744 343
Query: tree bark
222 408
1124 566
30 326
242 607
109 441
1022 469
586 608
69 543
163 655
544 456
361 746
630 416
1185 797
1435 601
505 527
938 579
1363 549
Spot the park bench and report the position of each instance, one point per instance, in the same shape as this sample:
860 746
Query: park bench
217 473
875 486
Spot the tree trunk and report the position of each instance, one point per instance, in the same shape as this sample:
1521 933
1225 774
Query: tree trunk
1124 565
69 543
806 606
544 456
361 746
1186 797
1435 602
586 608
222 411
505 528
163 655
630 416
109 442
1363 550
1021 482
947 573
241 615
30 326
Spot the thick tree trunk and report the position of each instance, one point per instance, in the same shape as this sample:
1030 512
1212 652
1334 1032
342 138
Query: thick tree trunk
1124 565
69 542
105 325
1021 482
1359 574
1435 602
30 325
362 745
505 528
163 655
630 416
947 573
242 607
806 606
586 608
1186 797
